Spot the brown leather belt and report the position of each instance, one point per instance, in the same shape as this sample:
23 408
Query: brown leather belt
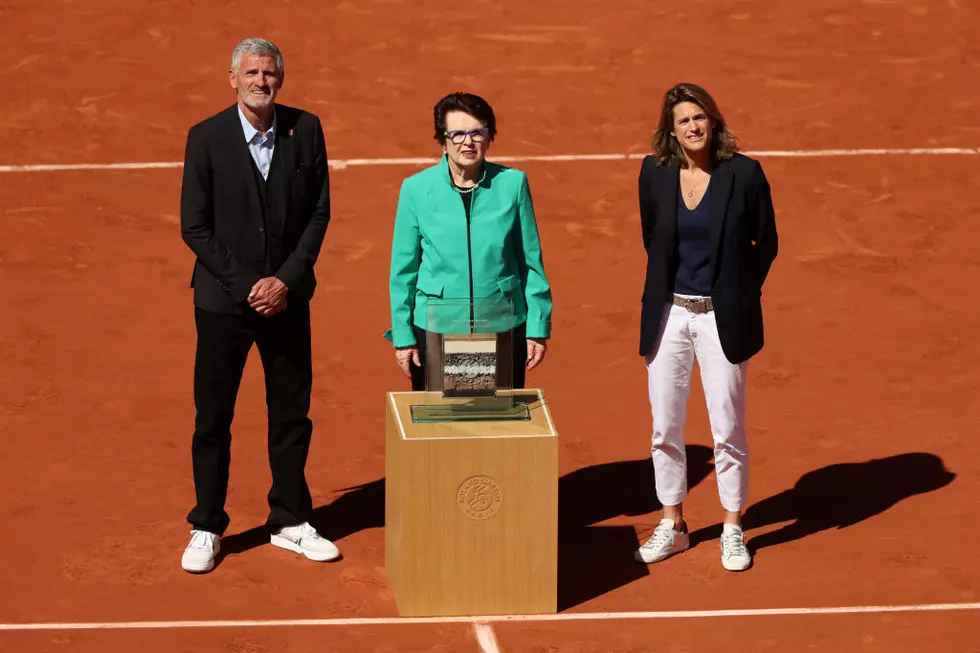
694 305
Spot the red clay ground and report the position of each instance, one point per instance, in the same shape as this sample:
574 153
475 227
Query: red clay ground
871 349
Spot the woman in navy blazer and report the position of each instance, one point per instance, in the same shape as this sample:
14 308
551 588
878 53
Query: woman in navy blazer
709 231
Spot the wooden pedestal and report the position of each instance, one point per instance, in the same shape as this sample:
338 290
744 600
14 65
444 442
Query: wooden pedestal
471 511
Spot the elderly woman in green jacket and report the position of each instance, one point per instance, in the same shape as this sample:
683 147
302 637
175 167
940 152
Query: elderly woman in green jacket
465 230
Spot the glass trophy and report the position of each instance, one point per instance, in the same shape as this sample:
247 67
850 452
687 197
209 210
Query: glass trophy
470 361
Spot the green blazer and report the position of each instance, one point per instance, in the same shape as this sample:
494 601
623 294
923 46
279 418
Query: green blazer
433 249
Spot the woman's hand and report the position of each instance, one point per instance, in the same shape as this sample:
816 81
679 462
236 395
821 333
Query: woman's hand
536 348
407 355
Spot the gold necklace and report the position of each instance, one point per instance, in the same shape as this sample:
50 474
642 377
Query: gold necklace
690 193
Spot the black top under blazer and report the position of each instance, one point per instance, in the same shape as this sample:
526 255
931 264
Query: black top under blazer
243 228
742 244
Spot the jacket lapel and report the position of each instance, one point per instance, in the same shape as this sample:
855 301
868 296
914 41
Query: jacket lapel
446 196
242 158
721 190
283 160
667 194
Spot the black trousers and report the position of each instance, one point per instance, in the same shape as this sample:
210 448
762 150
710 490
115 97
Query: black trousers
223 343
516 340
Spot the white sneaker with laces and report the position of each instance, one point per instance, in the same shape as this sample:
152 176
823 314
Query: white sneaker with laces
304 540
664 543
200 552
734 554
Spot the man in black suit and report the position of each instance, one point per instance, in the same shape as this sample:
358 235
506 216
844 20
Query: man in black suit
254 209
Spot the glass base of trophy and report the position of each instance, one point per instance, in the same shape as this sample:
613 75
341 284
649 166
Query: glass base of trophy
484 409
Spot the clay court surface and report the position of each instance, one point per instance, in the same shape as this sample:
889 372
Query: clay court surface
862 410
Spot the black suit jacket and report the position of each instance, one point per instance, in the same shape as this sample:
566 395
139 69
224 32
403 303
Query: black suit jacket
240 232
742 242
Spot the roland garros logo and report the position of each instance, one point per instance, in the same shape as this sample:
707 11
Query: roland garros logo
479 497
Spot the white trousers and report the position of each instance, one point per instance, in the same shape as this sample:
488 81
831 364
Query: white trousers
684 336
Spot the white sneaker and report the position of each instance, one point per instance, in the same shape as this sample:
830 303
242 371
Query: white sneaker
304 539
664 543
200 552
734 554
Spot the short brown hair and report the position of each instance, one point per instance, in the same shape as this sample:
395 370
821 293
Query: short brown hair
474 105
668 151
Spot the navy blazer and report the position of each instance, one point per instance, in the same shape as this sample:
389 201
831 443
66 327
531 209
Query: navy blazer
742 243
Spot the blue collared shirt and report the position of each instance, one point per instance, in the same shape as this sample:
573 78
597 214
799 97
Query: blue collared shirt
260 146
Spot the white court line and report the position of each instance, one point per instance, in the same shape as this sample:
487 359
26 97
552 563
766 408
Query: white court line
872 152
71 167
340 164
490 619
486 637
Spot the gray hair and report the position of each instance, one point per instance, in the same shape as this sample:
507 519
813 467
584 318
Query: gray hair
257 48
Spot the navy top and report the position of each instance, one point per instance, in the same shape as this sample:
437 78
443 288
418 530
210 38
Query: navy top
693 258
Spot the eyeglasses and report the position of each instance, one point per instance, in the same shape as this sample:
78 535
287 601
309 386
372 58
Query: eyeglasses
458 136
